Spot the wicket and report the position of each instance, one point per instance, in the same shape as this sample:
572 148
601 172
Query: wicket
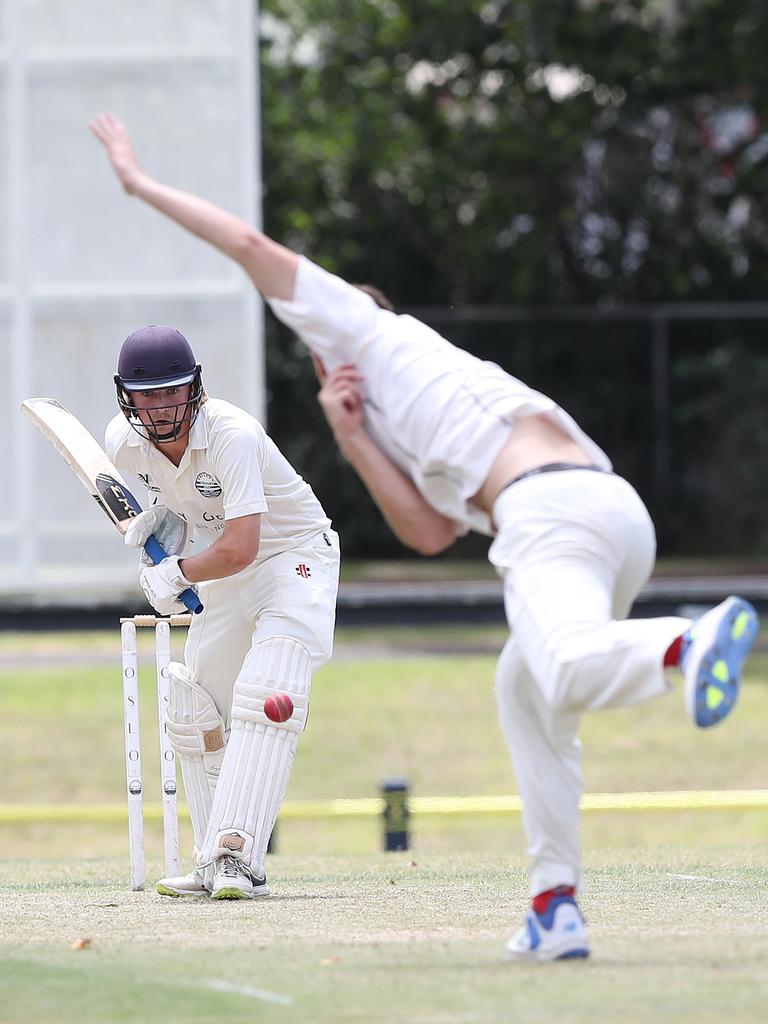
134 784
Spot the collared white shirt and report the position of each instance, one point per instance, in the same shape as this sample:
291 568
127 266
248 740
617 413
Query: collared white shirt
439 413
231 468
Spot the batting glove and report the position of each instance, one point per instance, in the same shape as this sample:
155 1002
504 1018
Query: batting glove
162 585
168 527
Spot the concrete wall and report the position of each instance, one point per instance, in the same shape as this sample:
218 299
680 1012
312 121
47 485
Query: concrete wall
81 265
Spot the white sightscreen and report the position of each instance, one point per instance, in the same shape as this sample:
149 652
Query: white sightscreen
82 265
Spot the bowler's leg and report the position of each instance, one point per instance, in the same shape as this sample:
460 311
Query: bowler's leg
546 757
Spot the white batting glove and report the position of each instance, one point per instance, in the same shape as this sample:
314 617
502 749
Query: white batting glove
162 585
168 527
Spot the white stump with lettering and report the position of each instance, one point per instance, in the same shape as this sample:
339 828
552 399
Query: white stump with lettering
167 753
133 755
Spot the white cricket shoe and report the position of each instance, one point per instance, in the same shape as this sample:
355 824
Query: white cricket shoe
714 649
182 885
234 880
557 934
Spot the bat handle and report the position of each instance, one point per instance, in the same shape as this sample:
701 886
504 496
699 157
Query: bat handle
154 549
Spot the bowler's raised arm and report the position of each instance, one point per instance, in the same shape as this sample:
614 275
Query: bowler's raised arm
271 266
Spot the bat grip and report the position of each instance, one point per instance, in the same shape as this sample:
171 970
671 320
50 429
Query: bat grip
188 597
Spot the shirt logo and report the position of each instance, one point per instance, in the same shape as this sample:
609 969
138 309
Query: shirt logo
147 481
207 485
303 570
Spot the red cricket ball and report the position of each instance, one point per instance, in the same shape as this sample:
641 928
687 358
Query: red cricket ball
278 707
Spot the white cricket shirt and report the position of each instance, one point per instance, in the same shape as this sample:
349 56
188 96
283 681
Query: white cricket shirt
440 414
231 468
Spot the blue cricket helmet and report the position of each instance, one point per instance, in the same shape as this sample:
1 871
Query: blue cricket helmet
158 357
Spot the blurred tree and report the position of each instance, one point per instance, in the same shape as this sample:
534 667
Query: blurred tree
519 151
514 151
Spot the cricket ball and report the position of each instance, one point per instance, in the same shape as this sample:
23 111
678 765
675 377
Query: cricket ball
278 707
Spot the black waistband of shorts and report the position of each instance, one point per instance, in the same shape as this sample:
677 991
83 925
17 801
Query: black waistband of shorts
553 467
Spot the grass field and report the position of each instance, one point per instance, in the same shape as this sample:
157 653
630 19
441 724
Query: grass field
675 902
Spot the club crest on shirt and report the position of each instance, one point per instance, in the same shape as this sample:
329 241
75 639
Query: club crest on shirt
207 485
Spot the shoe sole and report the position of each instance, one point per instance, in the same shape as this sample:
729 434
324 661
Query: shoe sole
573 954
712 684
231 893
165 890
534 957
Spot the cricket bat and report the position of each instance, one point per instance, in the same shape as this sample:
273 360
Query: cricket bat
85 456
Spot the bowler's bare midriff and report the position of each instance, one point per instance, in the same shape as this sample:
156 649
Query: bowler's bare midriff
535 441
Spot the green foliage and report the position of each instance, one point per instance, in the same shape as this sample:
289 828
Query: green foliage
513 151
520 151
719 392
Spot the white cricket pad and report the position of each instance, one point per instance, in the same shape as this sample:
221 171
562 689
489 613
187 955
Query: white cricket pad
259 756
196 732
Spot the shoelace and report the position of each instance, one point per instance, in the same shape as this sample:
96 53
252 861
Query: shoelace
230 867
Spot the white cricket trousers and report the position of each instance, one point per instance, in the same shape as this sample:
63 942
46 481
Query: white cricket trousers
574 548
291 594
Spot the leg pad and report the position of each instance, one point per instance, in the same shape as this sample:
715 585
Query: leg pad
275 666
196 733
259 756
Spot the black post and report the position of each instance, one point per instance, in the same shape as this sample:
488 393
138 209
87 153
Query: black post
662 449
394 792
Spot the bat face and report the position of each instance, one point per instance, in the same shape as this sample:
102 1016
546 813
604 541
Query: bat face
85 456
116 500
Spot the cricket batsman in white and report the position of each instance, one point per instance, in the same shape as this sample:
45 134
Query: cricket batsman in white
445 444
242 527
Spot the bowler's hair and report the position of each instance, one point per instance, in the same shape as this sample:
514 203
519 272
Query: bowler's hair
377 295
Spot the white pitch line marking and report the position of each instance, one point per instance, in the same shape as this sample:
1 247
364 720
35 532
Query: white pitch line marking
247 990
217 985
703 878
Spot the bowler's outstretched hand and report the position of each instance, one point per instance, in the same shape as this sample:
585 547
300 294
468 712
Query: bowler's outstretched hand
112 135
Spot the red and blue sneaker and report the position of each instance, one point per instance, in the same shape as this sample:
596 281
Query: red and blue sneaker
557 933
713 652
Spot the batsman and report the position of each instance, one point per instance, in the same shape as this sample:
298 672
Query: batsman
241 526
446 443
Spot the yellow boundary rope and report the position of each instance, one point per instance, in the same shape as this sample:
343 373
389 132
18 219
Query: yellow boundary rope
306 810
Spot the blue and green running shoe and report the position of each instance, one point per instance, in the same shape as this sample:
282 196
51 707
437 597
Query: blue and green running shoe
714 649
557 934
